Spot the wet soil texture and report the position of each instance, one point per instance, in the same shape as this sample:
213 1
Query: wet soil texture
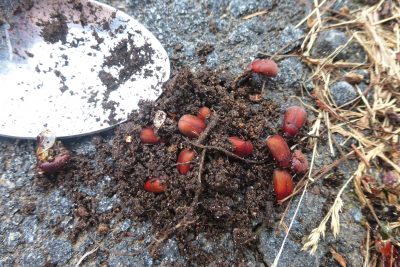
226 195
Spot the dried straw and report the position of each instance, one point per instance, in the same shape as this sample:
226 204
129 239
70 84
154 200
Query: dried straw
361 120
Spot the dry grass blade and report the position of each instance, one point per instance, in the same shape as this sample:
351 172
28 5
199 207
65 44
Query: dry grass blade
339 258
335 221
87 254
367 244
365 118
259 13
276 260
333 213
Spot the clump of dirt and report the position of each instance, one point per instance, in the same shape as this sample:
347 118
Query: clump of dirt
55 29
203 51
226 195
129 59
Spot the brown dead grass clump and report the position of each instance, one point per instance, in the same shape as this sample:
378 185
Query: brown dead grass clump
374 124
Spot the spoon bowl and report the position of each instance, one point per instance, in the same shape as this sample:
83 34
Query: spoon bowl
75 67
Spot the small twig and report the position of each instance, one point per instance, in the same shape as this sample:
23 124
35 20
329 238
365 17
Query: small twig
286 46
184 222
360 155
275 263
282 221
87 254
263 89
371 209
311 14
210 126
245 75
366 258
277 53
319 137
168 233
258 13
365 92
278 56
228 153
203 155
341 151
182 163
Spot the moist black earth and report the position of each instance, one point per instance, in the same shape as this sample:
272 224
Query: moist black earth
234 195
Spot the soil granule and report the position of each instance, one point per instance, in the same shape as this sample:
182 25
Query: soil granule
56 29
233 197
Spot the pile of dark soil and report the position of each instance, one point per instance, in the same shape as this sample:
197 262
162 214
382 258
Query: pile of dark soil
233 196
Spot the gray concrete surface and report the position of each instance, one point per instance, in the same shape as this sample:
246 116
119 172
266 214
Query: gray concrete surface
40 236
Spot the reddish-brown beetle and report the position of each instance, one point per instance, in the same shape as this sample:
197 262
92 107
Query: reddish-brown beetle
279 150
191 126
283 184
184 159
266 67
148 136
204 113
293 120
241 147
57 164
299 162
155 185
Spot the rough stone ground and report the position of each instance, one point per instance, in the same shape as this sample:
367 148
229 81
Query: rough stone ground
33 220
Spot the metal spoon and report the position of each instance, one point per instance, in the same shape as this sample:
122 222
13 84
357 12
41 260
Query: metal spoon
74 67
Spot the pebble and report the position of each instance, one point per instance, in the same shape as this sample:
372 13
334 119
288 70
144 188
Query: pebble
327 42
290 37
170 252
6 261
212 60
240 35
125 225
119 261
357 215
291 72
342 92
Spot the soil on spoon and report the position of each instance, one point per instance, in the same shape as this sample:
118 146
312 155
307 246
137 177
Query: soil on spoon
55 29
